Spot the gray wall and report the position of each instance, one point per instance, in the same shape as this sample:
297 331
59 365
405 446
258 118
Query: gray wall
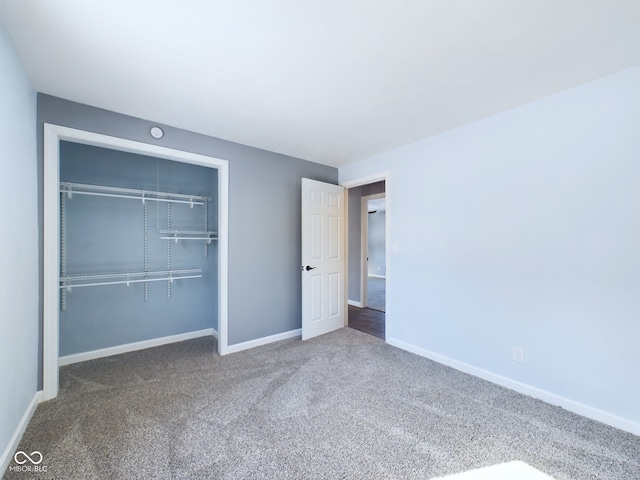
18 255
376 243
264 213
105 235
355 197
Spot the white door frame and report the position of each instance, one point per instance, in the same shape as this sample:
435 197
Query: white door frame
364 245
53 134
357 182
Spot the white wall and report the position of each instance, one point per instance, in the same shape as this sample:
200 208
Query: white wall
19 282
376 248
526 232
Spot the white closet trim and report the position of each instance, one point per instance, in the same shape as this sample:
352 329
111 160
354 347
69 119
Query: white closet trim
53 134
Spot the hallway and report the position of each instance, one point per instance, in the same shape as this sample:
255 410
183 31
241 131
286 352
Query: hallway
367 320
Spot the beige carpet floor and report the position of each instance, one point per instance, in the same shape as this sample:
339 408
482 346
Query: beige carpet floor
342 406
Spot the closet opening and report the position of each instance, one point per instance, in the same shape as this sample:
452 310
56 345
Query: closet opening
136 248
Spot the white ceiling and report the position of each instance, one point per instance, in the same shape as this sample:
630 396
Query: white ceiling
332 81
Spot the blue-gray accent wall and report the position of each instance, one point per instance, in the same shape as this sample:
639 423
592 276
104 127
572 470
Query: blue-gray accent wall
106 235
264 214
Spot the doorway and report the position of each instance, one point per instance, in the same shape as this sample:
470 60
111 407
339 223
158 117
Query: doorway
53 135
360 314
374 267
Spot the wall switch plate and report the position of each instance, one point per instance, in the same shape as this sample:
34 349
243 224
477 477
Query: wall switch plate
518 354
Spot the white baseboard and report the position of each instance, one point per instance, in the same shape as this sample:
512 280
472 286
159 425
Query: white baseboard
132 347
258 342
9 450
549 397
376 276
354 303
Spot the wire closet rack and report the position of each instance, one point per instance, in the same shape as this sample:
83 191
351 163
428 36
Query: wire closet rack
68 282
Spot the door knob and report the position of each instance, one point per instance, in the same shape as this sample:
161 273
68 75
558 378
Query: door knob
310 268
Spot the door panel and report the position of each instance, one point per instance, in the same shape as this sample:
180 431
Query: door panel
323 262
334 294
316 237
316 298
334 237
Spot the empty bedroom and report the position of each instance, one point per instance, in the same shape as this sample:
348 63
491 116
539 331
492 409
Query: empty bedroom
314 240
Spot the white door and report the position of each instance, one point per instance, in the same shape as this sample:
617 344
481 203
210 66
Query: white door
323 258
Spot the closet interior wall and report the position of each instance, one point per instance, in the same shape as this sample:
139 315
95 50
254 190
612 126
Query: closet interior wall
106 235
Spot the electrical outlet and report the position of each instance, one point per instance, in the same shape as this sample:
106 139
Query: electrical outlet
518 354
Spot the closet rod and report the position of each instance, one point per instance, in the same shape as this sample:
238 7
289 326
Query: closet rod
127 282
119 192
206 239
188 232
143 198
103 276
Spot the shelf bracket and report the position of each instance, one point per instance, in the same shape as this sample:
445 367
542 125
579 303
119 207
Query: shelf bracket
206 228
63 248
146 248
169 249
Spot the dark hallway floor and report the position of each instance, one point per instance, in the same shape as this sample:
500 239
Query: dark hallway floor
367 320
